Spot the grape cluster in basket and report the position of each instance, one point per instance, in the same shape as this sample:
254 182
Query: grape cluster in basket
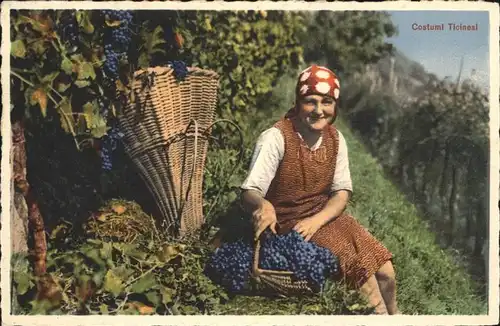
231 264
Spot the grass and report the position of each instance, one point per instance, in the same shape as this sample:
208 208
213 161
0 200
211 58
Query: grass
429 282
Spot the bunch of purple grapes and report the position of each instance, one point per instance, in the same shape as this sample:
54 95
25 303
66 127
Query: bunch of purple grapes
230 265
109 144
306 260
180 69
117 40
68 28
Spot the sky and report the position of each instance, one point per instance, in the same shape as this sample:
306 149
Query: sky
440 52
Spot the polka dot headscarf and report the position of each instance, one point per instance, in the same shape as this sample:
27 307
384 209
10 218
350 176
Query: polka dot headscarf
318 80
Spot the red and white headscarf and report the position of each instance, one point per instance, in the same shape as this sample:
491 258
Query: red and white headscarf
318 80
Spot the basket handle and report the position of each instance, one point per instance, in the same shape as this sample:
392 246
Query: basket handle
255 269
208 216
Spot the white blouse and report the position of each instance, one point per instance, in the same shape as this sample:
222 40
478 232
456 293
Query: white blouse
269 152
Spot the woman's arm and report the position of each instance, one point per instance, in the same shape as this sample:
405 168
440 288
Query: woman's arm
267 155
334 207
263 213
251 200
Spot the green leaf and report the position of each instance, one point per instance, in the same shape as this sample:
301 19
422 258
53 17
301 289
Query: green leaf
88 111
93 254
84 22
17 49
67 66
168 252
66 116
153 297
106 250
100 128
112 283
103 308
78 58
156 37
95 122
39 46
82 83
62 87
167 295
123 272
23 281
86 70
98 278
144 283
49 79
143 60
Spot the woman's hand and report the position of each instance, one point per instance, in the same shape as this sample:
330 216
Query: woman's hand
308 227
263 217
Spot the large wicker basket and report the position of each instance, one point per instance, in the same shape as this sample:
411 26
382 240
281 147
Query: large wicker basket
283 283
165 126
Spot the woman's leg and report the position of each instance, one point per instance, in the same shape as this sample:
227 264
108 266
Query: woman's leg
372 292
386 278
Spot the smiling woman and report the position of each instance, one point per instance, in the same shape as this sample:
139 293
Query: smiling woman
299 180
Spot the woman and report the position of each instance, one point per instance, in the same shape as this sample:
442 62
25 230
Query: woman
299 180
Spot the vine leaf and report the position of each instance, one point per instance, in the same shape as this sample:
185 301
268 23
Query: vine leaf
88 111
62 87
40 96
82 83
39 24
167 295
86 70
144 284
83 19
94 121
23 281
152 40
112 283
66 110
49 79
18 49
153 297
100 128
39 46
67 66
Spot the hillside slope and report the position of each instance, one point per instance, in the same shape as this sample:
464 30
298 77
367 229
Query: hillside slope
428 280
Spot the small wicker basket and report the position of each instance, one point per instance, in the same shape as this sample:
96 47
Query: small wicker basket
283 283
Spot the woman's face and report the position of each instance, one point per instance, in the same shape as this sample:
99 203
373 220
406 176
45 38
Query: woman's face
316 111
